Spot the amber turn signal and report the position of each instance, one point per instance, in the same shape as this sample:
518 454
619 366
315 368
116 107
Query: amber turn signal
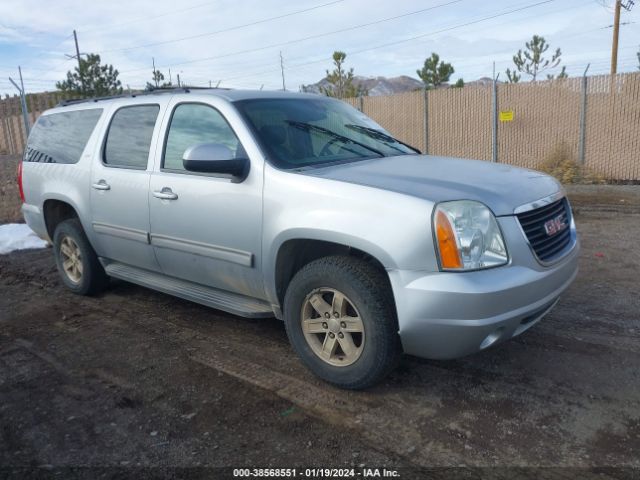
447 246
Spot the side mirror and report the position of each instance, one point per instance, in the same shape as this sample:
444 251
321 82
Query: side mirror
214 158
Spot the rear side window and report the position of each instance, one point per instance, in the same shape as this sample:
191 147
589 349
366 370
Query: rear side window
61 137
129 136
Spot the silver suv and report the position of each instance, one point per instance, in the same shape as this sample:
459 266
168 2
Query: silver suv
298 206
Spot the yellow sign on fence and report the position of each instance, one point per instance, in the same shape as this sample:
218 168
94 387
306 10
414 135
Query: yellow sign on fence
506 116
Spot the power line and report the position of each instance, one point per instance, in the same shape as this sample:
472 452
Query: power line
216 32
511 22
312 37
45 52
496 56
147 18
573 65
397 42
241 73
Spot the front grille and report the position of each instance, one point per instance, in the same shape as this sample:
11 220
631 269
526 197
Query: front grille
547 245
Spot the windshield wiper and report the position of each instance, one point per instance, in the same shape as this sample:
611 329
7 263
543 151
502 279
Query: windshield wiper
331 133
380 135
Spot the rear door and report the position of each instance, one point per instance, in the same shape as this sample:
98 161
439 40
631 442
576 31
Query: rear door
120 185
206 228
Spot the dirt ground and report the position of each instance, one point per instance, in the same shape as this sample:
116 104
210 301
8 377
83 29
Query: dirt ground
135 378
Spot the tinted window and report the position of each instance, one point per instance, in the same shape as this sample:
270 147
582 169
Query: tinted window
192 124
61 137
312 131
129 136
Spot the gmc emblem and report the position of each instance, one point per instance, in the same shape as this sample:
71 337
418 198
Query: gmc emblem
554 225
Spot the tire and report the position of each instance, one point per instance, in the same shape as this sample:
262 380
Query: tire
88 278
367 295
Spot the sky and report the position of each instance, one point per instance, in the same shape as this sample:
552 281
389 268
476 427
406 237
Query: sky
239 43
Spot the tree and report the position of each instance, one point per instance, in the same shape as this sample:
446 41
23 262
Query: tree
638 54
341 81
435 72
532 61
458 84
91 79
512 76
157 78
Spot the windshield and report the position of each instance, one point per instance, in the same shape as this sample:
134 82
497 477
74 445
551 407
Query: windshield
305 132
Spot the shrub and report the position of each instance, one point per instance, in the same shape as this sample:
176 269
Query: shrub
560 163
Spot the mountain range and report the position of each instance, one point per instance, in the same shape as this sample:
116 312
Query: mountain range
379 86
376 86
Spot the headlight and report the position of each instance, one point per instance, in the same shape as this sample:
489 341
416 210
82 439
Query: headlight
468 236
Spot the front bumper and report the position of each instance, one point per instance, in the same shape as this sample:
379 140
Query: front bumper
443 315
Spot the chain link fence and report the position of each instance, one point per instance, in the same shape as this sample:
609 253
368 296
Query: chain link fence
596 119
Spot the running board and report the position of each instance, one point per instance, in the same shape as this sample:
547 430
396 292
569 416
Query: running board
211 297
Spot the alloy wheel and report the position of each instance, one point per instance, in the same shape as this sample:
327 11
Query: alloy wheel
71 259
332 326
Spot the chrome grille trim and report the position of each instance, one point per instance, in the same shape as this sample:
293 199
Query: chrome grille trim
548 248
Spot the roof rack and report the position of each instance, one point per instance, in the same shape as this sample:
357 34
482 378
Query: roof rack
75 101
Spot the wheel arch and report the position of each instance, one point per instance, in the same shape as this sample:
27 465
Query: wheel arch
56 210
295 252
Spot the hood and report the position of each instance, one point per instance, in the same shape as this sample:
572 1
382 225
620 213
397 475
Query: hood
501 187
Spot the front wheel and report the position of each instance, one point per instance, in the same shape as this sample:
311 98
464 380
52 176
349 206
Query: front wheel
340 318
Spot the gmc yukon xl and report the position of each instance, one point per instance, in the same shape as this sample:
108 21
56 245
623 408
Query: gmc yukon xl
300 207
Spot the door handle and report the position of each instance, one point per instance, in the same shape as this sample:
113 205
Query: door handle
101 185
165 194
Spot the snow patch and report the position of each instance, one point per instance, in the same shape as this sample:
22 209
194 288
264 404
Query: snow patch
18 236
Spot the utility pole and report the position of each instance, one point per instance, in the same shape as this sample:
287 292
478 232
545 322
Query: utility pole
616 34
75 39
178 75
583 117
23 101
155 78
282 71
494 127
77 57
627 5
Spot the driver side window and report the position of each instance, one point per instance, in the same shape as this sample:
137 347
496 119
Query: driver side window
194 123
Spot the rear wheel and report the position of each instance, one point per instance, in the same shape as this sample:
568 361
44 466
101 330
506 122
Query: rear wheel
340 319
77 262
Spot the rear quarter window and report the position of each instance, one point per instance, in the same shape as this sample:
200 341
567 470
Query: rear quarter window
61 137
